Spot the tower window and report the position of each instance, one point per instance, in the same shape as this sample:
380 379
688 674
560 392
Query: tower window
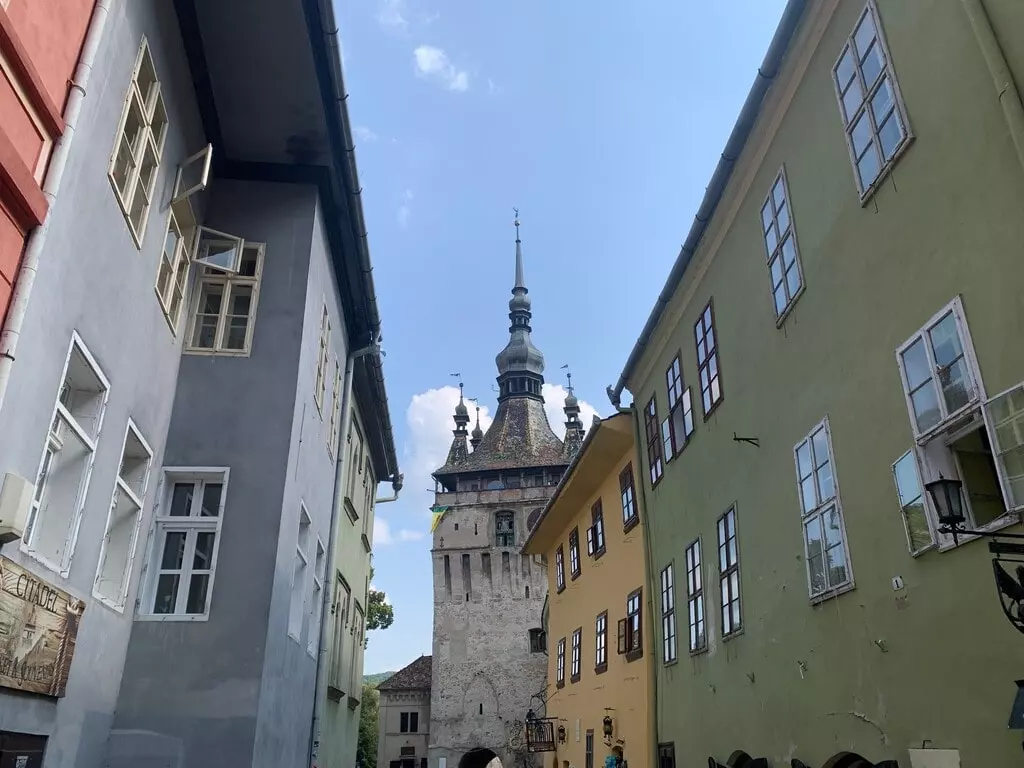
504 529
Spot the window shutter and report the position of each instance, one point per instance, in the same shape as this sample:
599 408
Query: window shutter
1004 420
623 646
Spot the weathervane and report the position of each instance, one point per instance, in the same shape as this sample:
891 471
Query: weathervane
568 377
517 223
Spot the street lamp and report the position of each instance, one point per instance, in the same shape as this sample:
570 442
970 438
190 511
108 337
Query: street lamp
947 495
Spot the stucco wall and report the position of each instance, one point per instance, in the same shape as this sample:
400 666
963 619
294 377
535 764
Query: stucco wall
481 646
604 584
217 677
93 279
390 739
878 669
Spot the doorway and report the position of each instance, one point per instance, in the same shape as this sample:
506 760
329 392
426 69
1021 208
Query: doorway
21 750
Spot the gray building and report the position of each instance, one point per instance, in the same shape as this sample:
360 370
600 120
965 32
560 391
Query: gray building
404 717
186 528
489 662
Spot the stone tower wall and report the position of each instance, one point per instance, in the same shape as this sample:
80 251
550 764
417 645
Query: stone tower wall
486 600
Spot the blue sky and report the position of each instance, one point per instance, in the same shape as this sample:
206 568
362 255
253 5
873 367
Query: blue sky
602 122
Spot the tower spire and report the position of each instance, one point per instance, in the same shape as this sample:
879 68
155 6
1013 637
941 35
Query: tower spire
573 425
520 363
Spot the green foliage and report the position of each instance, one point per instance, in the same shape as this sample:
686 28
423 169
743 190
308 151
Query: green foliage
379 614
376 678
366 749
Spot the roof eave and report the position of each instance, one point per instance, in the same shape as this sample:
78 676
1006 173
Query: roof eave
566 479
749 113
323 34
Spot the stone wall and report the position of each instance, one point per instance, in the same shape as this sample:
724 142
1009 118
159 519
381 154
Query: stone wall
486 599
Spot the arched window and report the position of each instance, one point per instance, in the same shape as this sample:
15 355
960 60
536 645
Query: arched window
504 529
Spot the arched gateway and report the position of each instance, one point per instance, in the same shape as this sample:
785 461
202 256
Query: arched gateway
480 758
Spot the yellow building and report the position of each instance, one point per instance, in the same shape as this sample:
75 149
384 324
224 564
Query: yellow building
598 634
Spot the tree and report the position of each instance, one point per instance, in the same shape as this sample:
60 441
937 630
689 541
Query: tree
379 613
366 747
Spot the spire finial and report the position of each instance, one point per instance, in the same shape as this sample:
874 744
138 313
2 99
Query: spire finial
520 284
568 377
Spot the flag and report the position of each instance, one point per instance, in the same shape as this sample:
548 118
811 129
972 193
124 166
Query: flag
438 513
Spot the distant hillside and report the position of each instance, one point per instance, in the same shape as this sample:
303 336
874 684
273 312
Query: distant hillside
377 678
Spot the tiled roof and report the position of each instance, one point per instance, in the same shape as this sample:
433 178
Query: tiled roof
414 676
520 437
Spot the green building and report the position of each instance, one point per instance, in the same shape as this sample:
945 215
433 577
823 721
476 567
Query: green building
842 327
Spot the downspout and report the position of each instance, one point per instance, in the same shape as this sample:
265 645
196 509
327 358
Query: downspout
51 184
396 485
320 692
649 587
1002 77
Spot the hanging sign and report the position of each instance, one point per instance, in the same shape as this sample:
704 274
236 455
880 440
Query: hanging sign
38 629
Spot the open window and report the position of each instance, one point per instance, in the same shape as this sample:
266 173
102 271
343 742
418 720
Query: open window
193 175
217 250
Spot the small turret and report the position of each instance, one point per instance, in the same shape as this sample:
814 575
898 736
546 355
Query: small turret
478 434
459 450
573 426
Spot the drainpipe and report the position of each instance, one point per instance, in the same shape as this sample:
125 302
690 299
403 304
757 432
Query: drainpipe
1002 78
396 485
651 589
58 162
320 693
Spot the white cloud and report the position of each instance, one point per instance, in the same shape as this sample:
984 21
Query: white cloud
429 419
364 134
433 64
381 532
405 209
391 14
430 425
382 535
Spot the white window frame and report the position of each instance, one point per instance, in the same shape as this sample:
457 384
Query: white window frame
669 633
52 447
869 92
559 569
560 662
818 510
576 657
678 426
709 372
904 500
322 359
696 608
334 427
176 268
316 599
341 616
1012 505
228 281
601 641
977 394
773 232
163 522
138 500
297 613
151 108
729 566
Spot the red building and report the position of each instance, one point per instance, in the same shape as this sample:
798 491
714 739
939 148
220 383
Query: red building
40 41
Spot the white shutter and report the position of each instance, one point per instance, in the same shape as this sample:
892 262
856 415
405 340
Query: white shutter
1004 420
